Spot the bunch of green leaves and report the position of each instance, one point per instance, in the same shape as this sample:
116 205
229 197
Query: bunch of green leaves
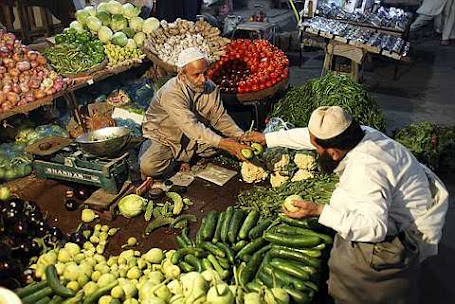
72 36
269 201
431 144
299 102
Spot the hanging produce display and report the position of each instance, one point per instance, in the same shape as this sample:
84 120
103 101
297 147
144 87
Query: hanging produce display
167 41
331 90
75 52
24 75
117 26
249 66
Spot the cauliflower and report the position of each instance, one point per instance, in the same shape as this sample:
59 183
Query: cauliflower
282 164
252 174
276 179
305 161
302 174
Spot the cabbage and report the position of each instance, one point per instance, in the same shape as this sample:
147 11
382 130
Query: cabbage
105 34
128 32
118 23
131 205
150 25
129 11
139 38
105 17
131 44
90 9
93 23
136 23
102 7
77 26
82 15
114 7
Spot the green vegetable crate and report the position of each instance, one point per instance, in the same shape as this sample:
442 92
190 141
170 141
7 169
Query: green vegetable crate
109 174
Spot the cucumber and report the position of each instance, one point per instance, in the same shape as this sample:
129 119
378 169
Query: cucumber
239 245
259 229
248 224
185 237
294 241
206 264
212 248
253 265
186 267
286 229
289 268
38 295
308 223
44 300
93 297
234 225
193 261
181 242
148 211
184 217
311 271
285 279
251 247
216 265
226 223
299 296
219 224
180 253
54 283
208 230
227 250
56 300
309 252
31 288
224 263
296 256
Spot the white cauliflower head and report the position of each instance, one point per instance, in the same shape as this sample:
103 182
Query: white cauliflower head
305 161
252 174
282 164
276 179
302 174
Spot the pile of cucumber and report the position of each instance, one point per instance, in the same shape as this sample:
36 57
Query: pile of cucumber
254 251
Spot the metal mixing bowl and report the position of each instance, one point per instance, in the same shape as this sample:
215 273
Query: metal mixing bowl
105 142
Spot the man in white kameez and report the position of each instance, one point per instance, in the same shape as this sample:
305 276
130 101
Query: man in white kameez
388 210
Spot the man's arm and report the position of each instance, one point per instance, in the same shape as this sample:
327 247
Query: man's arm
297 139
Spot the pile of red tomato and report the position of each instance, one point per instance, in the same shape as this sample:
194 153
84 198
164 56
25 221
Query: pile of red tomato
249 66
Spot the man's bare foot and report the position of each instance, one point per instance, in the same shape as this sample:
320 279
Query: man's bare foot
185 167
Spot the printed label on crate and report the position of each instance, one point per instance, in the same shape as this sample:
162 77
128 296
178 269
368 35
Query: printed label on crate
75 175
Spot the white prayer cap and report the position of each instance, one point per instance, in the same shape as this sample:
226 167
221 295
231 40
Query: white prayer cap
328 122
189 55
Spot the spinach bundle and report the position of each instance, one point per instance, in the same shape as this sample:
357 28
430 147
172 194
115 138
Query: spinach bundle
331 90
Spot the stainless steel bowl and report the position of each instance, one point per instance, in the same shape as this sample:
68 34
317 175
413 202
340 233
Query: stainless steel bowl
105 142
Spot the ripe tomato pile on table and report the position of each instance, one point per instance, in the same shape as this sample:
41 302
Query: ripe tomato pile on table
249 66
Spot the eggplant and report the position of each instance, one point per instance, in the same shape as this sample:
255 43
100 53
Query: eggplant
71 204
16 203
41 229
55 232
35 217
5 251
20 228
77 238
82 193
30 207
27 277
11 215
9 268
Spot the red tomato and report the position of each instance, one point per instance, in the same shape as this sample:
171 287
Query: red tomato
268 84
255 88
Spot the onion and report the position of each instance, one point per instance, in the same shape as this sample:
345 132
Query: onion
50 91
6 106
22 102
32 55
15 88
41 59
2 97
23 66
35 82
16 57
12 97
7 88
29 97
24 87
7 60
14 72
2 70
34 64
39 94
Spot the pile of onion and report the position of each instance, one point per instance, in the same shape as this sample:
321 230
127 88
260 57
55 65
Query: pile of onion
24 75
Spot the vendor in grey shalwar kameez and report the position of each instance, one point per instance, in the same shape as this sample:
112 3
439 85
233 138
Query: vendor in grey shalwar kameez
186 118
388 210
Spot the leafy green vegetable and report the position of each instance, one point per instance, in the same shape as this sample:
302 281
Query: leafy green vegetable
131 205
120 39
299 102
118 23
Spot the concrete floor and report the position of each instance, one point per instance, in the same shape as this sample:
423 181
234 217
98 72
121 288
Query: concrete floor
423 90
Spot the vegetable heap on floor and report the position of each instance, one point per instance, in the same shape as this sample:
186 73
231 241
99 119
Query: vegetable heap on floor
299 102
431 144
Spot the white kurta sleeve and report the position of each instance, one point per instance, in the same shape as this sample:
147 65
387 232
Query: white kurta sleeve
297 139
358 209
